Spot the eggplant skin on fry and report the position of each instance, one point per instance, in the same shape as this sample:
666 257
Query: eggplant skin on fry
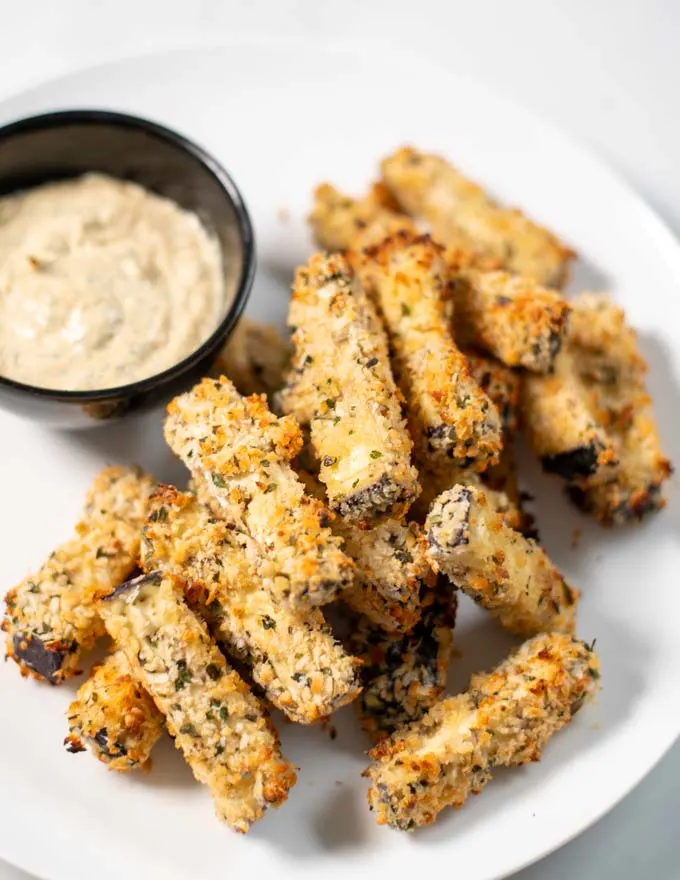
505 718
341 385
51 618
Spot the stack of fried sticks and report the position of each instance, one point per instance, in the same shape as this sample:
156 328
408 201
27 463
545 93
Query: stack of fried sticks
380 473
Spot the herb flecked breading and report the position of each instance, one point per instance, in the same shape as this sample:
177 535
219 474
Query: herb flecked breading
462 214
242 453
291 652
392 570
114 717
51 618
221 728
450 417
612 374
254 358
504 572
562 430
513 317
341 385
404 674
505 718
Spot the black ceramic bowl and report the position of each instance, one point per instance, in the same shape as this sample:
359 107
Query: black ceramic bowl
67 144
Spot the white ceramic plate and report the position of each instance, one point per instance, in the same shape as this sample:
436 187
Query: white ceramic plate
282 118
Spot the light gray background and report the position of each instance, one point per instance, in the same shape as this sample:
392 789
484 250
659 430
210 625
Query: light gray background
606 71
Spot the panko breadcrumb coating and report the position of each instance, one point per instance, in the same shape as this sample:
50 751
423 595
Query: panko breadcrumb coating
51 618
392 570
450 417
254 358
340 222
291 652
434 483
393 573
114 717
341 385
561 428
462 214
500 569
242 453
505 718
612 371
513 317
225 735
500 383
404 674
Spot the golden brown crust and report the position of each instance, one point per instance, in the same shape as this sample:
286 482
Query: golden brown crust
450 417
114 717
500 383
341 385
392 570
612 375
254 358
339 222
500 569
506 718
516 319
291 653
562 430
242 454
513 317
462 214
51 617
224 733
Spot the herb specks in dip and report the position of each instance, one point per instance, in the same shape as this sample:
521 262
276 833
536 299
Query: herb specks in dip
102 283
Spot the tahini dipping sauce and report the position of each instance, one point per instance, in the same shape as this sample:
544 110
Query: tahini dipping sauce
102 283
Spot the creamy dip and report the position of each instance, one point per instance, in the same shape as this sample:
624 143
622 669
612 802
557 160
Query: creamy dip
102 283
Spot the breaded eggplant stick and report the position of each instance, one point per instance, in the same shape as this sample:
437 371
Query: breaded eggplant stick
254 358
562 430
513 317
341 385
613 372
404 675
392 570
450 417
51 617
462 214
500 569
434 483
393 573
340 222
500 383
291 652
225 735
516 319
114 717
505 718
242 452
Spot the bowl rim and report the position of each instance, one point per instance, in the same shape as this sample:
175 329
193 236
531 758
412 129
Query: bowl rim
56 118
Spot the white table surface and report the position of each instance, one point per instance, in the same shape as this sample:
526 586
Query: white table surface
607 71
